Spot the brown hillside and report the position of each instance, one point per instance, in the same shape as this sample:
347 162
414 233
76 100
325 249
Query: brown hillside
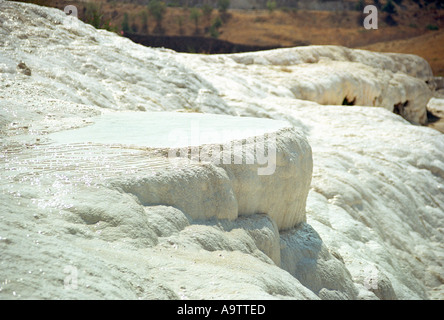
430 46
287 27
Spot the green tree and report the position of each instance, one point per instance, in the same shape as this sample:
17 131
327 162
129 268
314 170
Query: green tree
360 5
214 28
389 7
94 16
179 21
157 9
271 6
144 17
195 15
125 24
207 10
432 27
217 23
223 5
214 33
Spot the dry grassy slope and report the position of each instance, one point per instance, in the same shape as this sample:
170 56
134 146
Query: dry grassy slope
318 27
430 46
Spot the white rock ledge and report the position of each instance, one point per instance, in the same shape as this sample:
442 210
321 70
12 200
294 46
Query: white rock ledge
214 166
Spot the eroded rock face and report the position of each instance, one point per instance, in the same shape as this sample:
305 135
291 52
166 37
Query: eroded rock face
329 75
353 208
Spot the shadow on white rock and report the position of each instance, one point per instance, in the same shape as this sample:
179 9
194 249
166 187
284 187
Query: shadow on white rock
306 257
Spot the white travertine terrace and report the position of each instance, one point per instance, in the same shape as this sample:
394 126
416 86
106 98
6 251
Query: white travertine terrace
328 75
265 166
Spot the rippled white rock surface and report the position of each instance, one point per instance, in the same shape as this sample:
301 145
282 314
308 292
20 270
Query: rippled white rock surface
78 217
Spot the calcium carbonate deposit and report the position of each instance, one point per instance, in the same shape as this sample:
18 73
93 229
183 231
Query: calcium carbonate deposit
129 172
